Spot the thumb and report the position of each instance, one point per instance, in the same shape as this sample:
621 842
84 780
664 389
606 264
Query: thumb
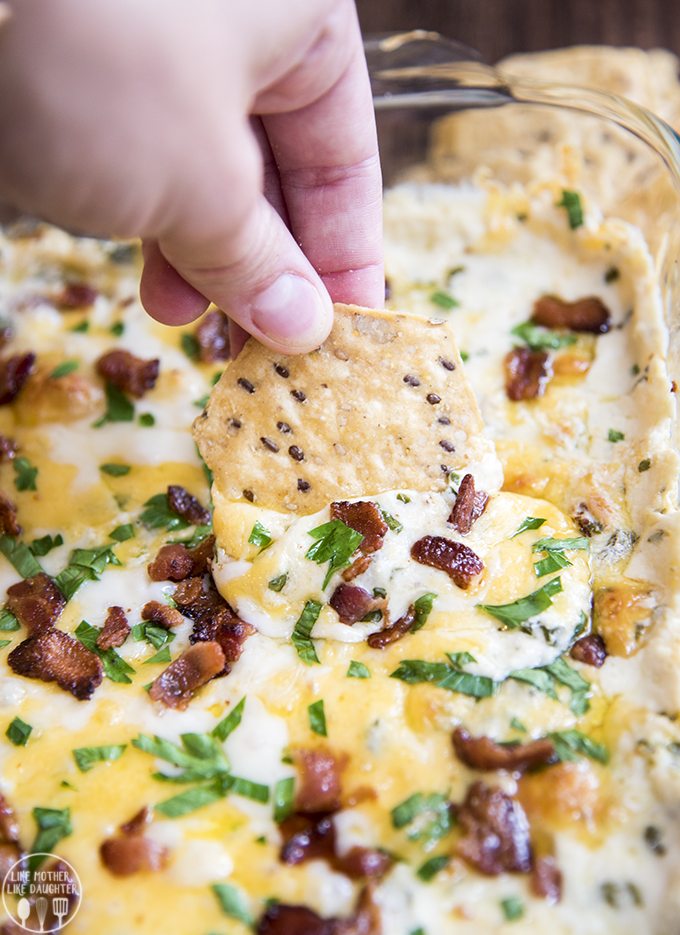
248 264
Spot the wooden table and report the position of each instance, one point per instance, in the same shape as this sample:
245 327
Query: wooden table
499 27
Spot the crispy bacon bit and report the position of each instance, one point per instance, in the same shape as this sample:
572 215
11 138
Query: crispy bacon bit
495 832
177 685
8 448
14 371
9 826
54 656
459 562
138 822
115 631
126 856
9 524
361 862
163 615
587 314
174 562
391 634
526 373
469 505
307 837
280 919
546 879
226 629
590 650
485 754
128 373
187 506
197 602
352 603
319 788
75 295
36 602
364 517
358 567
212 335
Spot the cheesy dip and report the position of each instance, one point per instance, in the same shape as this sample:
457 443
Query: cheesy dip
439 699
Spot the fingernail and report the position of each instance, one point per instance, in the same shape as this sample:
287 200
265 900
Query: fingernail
292 311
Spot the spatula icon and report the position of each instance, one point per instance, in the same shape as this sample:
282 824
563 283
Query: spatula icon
60 909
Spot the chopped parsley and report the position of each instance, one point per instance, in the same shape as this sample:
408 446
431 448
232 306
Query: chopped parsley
284 798
202 402
18 732
444 300
335 543
517 725
427 817
233 903
86 758
529 522
200 534
190 346
25 474
513 908
549 544
147 420
391 521
357 670
450 676
82 327
524 608
117 329
4 643
260 536
115 667
278 583
19 555
118 407
54 824
64 368
429 870
553 561
122 533
8 622
403 497
317 718
45 544
613 435
158 514
539 338
301 637
558 672
571 202
570 744
229 724
115 470
154 635
163 655
422 607
84 565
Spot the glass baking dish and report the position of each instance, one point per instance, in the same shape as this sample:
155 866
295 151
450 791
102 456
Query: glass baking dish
628 158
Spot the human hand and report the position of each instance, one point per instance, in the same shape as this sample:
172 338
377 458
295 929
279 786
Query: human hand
237 138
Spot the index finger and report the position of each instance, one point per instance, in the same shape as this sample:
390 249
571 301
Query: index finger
327 154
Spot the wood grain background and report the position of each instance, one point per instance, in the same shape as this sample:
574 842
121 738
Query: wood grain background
499 27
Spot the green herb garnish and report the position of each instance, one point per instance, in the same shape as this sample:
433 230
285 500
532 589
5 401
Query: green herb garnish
19 554
613 435
84 565
229 724
260 536
118 407
147 420
427 816
446 675
233 903
54 824
317 718
18 732
524 608
190 346
45 544
644 465
571 202
278 583
8 622
115 667
391 521
444 300
357 670
422 607
87 757
64 368
162 656
429 870
115 470
158 514
122 533
570 744
335 544
529 522
539 338
513 908
284 798
301 638
25 474
117 329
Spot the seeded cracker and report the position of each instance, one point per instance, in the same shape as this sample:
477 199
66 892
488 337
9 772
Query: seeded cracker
383 403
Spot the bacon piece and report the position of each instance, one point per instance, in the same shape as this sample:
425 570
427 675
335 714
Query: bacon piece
587 314
546 879
138 822
364 517
128 373
197 601
8 448
187 506
226 629
9 524
212 335
307 837
495 832
115 631
14 371
459 562
352 603
485 754
319 788
163 615
9 826
362 862
130 852
526 373
280 919
469 505
54 656
391 634
175 562
590 650
75 295
36 602
177 685
358 567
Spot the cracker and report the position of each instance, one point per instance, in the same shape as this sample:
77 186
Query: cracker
352 418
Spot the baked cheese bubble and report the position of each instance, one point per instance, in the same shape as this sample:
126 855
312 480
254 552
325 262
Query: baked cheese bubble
522 610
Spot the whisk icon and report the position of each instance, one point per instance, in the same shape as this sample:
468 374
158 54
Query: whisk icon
41 906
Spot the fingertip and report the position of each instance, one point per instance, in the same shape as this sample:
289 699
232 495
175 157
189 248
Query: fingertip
166 296
292 315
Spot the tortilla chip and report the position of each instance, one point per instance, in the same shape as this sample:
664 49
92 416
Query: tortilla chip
384 403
